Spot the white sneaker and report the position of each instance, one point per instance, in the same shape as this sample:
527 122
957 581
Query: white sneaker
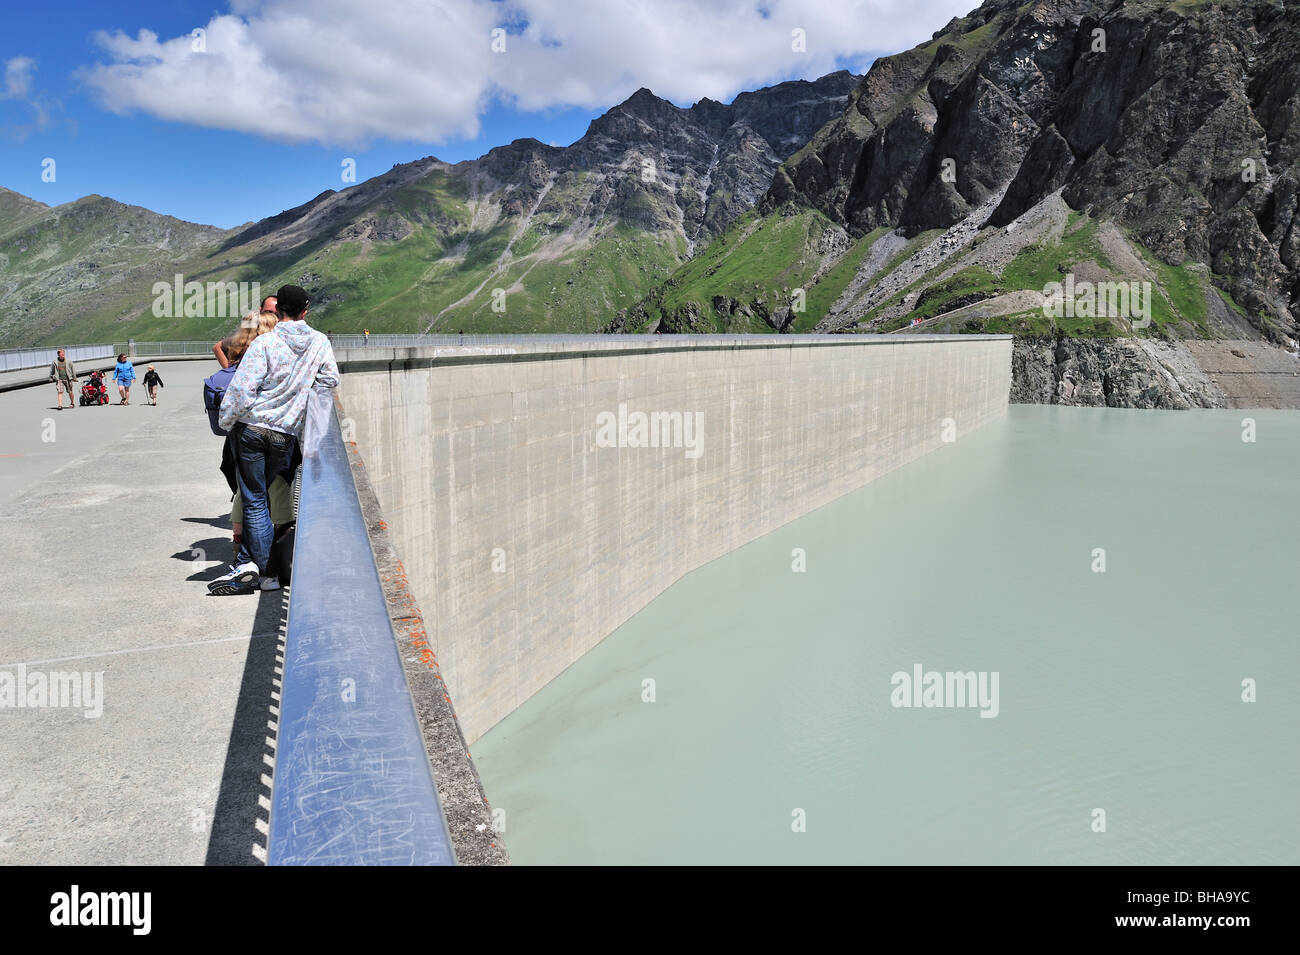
239 580
270 583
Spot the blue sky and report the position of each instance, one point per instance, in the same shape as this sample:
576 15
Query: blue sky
261 115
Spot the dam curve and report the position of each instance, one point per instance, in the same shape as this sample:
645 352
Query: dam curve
542 491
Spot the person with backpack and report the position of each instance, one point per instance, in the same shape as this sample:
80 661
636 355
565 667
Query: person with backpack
152 382
233 348
264 408
279 491
64 375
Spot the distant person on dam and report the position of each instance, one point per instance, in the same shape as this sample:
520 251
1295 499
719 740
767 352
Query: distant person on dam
264 409
222 348
152 382
64 375
124 375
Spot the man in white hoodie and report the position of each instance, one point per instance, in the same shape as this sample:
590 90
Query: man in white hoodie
263 409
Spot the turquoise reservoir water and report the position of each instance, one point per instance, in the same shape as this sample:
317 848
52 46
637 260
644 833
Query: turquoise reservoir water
1119 691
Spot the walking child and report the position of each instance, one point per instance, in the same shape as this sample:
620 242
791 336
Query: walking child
152 382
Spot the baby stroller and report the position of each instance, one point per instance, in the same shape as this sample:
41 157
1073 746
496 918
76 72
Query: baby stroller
93 391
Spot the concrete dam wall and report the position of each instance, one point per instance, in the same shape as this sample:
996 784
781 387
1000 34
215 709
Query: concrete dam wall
542 492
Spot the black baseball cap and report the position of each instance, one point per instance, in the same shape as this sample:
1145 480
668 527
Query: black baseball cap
292 299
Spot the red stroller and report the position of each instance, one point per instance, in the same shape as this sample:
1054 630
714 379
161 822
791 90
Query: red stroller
93 391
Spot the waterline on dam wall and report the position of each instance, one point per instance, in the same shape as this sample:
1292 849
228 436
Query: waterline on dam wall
1120 685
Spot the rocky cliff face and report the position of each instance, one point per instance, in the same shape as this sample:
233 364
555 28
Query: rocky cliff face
1178 121
1109 373
1149 373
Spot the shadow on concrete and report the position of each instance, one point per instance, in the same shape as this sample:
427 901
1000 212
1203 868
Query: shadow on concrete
238 835
211 548
221 520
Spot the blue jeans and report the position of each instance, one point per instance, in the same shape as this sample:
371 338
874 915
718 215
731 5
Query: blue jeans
260 454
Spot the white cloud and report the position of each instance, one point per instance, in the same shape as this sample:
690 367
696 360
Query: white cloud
348 72
19 72
18 78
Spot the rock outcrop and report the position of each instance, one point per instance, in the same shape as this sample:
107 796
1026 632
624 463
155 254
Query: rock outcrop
1149 373
1180 122
1109 373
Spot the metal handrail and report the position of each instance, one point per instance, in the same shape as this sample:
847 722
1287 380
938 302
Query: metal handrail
17 359
154 349
352 782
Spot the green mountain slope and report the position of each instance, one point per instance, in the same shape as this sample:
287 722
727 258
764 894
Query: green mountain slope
528 238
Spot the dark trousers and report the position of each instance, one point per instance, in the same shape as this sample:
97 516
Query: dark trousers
260 454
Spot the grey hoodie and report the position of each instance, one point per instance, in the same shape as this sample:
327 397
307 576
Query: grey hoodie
69 370
275 377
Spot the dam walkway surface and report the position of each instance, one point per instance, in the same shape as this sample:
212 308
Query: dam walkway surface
113 520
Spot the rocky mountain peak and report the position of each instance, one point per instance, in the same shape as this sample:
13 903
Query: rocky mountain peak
1177 121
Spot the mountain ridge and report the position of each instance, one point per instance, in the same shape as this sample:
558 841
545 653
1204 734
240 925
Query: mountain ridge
563 235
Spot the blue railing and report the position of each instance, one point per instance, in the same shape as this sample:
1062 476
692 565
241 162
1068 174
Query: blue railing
352 783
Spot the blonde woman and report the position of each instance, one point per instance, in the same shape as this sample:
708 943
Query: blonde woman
222 348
